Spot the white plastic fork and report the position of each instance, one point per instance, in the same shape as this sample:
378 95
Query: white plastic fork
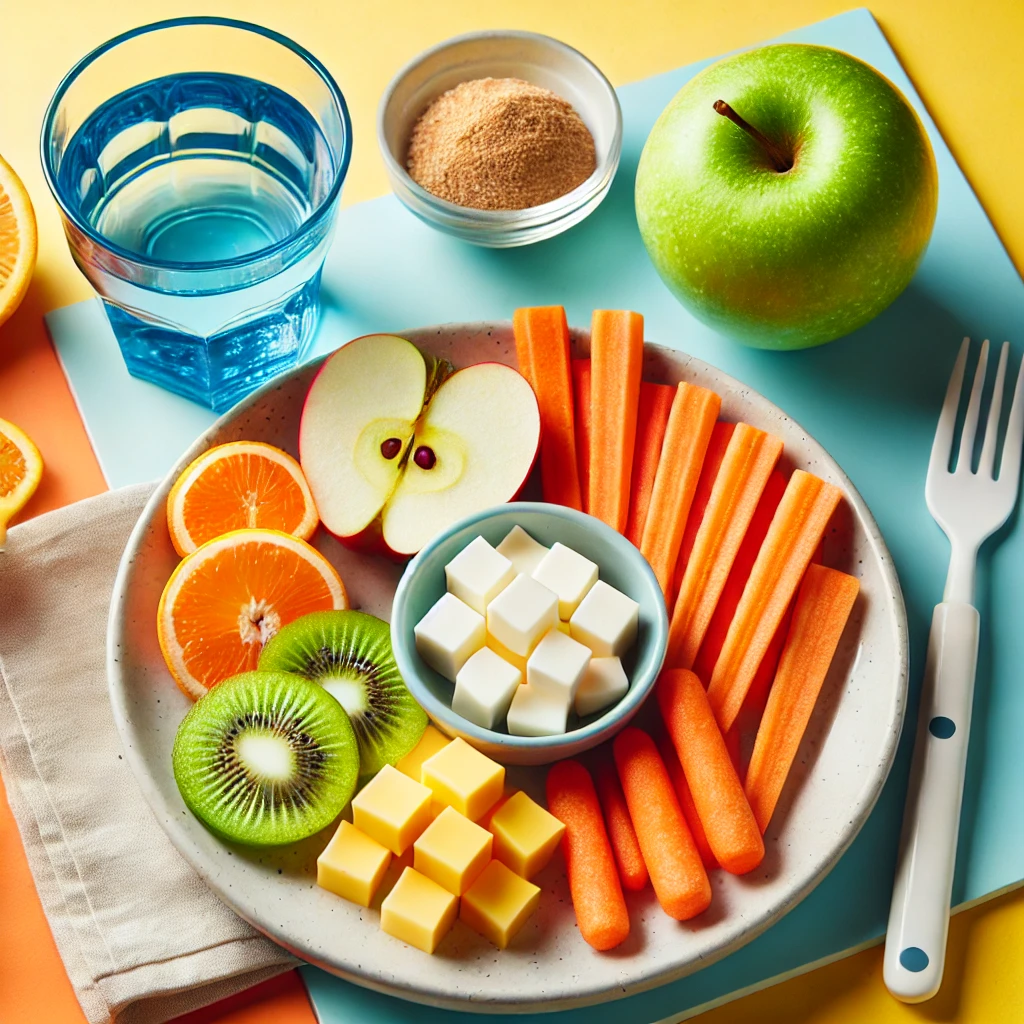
969 506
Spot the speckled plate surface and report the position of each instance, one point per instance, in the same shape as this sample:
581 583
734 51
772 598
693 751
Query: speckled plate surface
842 764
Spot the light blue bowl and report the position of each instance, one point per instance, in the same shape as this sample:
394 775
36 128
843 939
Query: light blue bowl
621 565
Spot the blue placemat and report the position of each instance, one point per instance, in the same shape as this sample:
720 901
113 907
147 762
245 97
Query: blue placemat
871 399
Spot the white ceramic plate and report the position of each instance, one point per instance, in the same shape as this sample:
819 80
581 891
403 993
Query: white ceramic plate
839 772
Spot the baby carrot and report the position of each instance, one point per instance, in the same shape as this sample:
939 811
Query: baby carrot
616 361
738 575
686 804
651 421
693 415
746 466
581 408
632 869
797 526
542 347
728 822
593 881
677 874
822 607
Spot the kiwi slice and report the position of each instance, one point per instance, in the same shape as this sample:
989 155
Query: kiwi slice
349 654
265 759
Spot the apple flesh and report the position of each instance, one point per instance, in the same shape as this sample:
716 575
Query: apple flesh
806 234
393 457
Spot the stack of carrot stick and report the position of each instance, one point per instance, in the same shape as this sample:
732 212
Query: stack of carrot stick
755 618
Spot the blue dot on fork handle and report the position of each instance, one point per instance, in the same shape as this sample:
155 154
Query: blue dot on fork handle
914 959
941 727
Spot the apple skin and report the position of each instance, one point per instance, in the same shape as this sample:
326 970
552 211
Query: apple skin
794 259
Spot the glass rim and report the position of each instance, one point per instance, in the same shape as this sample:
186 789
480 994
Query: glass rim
245 259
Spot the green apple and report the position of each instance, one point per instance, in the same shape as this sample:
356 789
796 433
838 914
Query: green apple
786 195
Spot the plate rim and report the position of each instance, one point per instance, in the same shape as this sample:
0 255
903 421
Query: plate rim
656 975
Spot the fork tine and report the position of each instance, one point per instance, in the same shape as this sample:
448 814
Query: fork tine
963 460
1009 465
988 449
943 443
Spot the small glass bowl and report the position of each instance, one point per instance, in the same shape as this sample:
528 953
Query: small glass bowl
534 58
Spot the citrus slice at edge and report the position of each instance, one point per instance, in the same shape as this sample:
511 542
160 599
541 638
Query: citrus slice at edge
225 600
21 469
18 240
236 486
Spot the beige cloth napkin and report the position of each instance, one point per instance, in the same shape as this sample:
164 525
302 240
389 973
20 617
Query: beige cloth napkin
142 938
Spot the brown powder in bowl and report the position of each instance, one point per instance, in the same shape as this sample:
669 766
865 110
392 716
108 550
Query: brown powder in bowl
500 144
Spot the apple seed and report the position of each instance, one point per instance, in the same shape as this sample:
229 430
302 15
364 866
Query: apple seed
390 448
424 457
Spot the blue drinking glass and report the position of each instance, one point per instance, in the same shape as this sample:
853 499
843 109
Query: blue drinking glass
198 165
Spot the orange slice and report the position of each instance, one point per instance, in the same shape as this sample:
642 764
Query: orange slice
228 598
237 486
17 240
21 467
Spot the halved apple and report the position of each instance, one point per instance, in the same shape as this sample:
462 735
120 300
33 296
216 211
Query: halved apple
393 457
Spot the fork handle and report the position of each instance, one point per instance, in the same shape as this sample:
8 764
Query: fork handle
915 940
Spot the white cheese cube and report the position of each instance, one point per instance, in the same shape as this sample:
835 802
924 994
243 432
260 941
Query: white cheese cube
536 713
606 621
557 665
448 634
484 689
477 574
603 684
522 550
521 614
568 574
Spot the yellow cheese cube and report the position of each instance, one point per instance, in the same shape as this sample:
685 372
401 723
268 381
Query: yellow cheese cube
498 903
430 743
563 627
352 865
418 911
392 809
463 778
452 851
525 835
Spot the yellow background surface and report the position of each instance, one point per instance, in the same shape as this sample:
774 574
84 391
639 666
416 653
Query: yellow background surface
964 59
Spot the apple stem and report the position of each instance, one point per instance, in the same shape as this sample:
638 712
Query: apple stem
776 155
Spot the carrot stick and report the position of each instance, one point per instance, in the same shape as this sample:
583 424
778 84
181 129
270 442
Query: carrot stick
823 605
721 435
581 406
677 874
651 421
740 738
542 347
693 415
728 822
686 804
746 466
704 663
616 361
796 528
593 881
632 869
